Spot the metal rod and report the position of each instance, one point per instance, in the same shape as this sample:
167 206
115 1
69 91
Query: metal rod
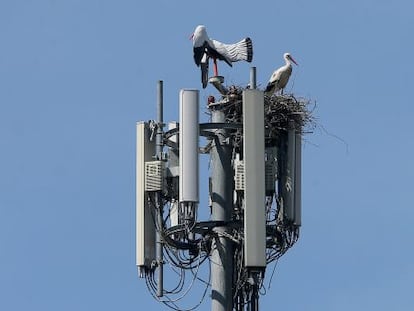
254 299
221 196
254 291
160 120
253 77
217 82
158 200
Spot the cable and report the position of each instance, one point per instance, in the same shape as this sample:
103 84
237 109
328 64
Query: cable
172 303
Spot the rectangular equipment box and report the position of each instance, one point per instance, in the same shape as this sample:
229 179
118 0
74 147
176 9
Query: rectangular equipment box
254 179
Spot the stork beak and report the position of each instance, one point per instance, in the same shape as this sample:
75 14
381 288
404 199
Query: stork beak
191 37
291 58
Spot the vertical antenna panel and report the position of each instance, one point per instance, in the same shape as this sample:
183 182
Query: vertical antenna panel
173 169
289 186
254 179
189 133
173 161
174 216
145 229
270 170
298 180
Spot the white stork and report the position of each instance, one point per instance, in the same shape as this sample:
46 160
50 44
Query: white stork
280 77
205 48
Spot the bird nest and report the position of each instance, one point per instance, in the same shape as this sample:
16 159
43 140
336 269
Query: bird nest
282 112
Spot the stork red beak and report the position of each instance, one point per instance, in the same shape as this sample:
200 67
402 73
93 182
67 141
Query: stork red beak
191 37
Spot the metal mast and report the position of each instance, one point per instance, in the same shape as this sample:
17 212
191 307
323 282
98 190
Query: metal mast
221 196
158 200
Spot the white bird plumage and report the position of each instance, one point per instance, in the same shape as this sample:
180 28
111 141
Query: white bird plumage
205 48
280 77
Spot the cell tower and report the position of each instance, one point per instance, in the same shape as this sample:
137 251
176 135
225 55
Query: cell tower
254 144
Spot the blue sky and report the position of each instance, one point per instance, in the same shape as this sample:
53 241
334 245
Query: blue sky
76 75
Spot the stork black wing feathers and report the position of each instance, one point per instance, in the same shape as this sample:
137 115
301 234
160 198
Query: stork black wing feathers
199 52
249 45
270 85
204 74
214 54
211 52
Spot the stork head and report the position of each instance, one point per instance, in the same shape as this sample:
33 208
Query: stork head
199 36
289 58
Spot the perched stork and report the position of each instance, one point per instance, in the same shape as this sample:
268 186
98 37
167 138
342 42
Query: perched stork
205 48
280 77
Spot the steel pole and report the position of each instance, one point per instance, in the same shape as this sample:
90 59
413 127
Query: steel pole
253 77
221 197
158 199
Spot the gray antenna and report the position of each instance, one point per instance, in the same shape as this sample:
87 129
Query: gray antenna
254 143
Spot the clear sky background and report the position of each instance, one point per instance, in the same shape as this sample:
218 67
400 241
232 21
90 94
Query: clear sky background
76 75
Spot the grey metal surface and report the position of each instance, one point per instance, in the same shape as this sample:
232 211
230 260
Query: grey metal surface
298 179
158 200
189 137
253 77
145 229
254 172
289 186
221 196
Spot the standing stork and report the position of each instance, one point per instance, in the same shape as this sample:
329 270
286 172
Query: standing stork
205 48
280 77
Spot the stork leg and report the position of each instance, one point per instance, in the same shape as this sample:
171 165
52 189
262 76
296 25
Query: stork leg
215 67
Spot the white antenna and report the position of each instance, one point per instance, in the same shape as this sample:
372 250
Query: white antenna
145 227
254 175
189 132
